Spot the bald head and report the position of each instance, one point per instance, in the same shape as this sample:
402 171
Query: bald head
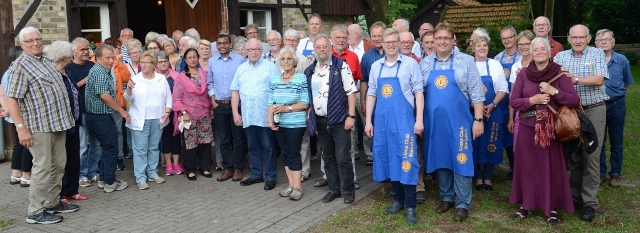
542 26
425 27
401 25
355 35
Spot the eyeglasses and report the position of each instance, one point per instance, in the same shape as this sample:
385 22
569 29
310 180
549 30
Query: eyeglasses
578 38
32 41
389 43
254 49
273 40
524 44
163 62
406 42
508 38
604 40
145 63
252 32
442 38
540 25
153 48
134 53
83 49
321 47
291 40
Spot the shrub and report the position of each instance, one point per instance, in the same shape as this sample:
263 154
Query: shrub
631 56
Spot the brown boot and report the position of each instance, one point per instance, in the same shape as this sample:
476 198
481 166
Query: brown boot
615 181
237 175
227 174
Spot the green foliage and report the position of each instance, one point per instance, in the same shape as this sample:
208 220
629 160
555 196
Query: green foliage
632 57
404 9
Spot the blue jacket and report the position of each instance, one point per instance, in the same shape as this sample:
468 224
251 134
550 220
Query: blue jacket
338 105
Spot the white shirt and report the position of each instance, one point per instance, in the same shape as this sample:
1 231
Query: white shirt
514 70
149 98
358 50
320 86
417 49
497 74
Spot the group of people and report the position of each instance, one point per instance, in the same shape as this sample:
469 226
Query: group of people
427 110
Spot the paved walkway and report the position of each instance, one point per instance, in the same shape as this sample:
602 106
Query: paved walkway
180 205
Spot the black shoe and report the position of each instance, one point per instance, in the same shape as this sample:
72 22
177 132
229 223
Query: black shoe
251 181
330 196
356 185
577 206
120 165
191 177
63 208
205 174
44 218
394 208
412 219
488 187
349 198
321 182
421 197
269 185
588 214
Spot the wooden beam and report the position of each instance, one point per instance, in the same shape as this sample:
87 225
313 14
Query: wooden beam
7 34
27 15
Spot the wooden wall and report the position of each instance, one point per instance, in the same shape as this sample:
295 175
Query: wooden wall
204 17
340 7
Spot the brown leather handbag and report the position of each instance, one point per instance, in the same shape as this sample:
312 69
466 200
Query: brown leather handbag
567 123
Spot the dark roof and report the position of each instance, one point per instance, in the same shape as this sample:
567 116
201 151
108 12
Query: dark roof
341 7
466 18
447 2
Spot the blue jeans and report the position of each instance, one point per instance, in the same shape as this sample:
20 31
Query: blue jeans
452 184
260 141
117 118
103 128
404 193
146 150
616 113
483 171
90 151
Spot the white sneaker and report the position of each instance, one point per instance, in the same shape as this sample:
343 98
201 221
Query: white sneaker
156 179
101 184
116 186
142 185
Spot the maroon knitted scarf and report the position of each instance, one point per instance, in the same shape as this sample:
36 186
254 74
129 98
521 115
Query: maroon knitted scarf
544 118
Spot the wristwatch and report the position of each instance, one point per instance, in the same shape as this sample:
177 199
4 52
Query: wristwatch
352 116
290 109
478 119
494 104
19 125
576 81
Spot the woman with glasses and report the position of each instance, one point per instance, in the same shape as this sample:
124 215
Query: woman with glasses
169 46
170 144
153 46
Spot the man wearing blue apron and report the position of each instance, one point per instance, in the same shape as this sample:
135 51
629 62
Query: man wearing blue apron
507 58
452 84
306 44
394 83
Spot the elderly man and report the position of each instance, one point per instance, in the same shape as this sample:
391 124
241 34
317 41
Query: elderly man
252 31
428 44
176 35
292 39
616 87
406 45
332 116
33 82
357 44
451 75
542 28
424 28
126 34
306 44
78 70
184 43
588 67
275 42
100 99
396 87
401 25
230 139
368 59
250 86
507 58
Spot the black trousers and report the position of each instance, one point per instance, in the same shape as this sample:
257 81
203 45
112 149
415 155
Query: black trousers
199 157
21 158
72 169
230 138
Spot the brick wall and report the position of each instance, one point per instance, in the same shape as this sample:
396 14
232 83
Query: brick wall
50 18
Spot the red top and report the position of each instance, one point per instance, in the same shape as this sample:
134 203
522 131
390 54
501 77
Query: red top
556 47
352 60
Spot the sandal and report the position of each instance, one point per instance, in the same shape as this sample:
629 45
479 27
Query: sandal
192 177
553 219
521 214
14 180
24 182
65 201
79 197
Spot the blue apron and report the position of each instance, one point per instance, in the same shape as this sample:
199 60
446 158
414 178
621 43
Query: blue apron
488 147
394 144
309 53
447 144
507 136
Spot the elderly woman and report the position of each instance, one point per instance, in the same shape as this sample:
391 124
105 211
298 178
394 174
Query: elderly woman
184 43
154 46
540 180
204 50
170 144
192 106
151 103
169 46
288 118
487 149
523 41
21 158
239 46
122 75
59 52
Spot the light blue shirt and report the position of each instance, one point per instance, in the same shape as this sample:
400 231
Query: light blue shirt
409 76
5 76
465 70
619 75
289 93
221 73
254 83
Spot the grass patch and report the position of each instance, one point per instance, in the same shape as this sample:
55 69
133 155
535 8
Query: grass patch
5 222
619 209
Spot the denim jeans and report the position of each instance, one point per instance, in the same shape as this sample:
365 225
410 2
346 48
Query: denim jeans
229 138
103 128
483 171
290 141
117 118
146 150
404 193
616 113
335 143
261 142
453 184
90 151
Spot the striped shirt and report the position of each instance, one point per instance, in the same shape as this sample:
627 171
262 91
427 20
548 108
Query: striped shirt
100 81
125 54
589 63
267 56
42 98
294 91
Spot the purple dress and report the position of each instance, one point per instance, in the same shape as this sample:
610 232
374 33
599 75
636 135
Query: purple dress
540 174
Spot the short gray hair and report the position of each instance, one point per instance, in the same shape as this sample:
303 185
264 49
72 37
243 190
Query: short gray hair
131 46
276 32
580 25
190 40
341 28
406 33
28 30
58 51
162 55
193 33
603 31
358 30
125 29
293 54
320 36
151 36
482 32
405 23
170 40
510 28
254 40
251 26
538 40
101 48
77 41
292 33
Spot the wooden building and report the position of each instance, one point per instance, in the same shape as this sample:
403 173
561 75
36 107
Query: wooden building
433 12
466 18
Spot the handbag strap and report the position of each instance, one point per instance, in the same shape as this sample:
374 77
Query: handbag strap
551 81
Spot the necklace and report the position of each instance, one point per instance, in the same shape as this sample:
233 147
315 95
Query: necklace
291 75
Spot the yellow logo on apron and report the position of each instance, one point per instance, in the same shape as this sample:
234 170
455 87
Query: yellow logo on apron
441 82
462 158
491 147
507 72
406 166
387 90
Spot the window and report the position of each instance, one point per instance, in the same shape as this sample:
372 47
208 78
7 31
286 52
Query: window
261 18
94 21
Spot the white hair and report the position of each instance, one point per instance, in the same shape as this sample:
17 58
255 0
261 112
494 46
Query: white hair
276 32
78 41
341 28
190 40
357 29
58 51
27 30
601 32
288 49
193 33
254 40
405 23
482 32
124 29
538 40
407 33
292 33
151 36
